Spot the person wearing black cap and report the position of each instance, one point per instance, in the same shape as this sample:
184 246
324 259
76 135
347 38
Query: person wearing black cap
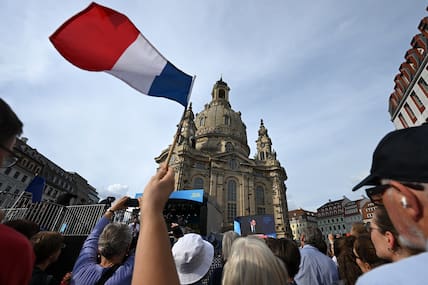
399 181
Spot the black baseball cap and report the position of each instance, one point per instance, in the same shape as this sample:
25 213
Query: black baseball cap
401 155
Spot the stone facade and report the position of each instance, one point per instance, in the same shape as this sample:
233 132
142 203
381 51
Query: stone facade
352 212
212 154
59 182
300 220
331 217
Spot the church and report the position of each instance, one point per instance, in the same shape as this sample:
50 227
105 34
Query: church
212 153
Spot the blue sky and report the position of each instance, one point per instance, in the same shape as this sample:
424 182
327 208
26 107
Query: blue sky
319 73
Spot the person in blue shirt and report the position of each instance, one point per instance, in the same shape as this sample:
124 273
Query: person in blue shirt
316 268
111 241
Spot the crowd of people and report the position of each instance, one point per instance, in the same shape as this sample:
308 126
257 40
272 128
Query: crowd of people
389 250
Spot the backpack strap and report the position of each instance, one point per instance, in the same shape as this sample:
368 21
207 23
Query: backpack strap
107 274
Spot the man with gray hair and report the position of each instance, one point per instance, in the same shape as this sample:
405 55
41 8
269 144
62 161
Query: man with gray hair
399 174
316 268
112 242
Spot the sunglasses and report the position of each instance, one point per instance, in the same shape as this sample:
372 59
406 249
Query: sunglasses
376 193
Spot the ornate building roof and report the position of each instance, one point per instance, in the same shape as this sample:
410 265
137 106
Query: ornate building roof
218 120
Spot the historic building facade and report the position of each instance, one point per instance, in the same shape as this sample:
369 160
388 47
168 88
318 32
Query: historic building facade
300 220
367 211
331 218
58 182
409 101
352 212
212 154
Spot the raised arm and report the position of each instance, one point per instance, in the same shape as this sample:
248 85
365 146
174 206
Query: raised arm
154 263
89 251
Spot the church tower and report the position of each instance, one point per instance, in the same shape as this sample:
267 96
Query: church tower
213 154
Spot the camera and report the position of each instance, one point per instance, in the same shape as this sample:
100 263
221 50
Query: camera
132 203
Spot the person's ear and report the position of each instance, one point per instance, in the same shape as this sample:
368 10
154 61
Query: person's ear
408 201
367 266
390 239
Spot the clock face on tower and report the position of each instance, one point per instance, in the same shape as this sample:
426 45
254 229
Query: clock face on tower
262 144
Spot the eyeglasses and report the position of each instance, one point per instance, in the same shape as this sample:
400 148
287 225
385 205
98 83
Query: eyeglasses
10 160
376 193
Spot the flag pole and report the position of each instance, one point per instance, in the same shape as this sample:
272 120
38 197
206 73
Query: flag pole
180 125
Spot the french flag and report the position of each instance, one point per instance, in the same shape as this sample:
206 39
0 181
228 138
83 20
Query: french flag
101 39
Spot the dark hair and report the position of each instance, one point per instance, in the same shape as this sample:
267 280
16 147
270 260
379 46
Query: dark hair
366 251
288 251
10 125
349 271
384 224
45 244
358 228
25 227
383 221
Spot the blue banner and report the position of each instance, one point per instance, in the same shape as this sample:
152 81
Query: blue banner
36 187
196 195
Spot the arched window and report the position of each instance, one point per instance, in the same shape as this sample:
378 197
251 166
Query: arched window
229 147
231 200
233 164
260 196
198 183
231 191
221 94
226 120
201 121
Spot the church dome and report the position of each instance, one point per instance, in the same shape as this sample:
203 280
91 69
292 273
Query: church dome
219 120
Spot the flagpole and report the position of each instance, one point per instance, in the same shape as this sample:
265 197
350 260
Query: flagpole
180 125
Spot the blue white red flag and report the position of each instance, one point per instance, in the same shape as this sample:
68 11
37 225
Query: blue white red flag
101 39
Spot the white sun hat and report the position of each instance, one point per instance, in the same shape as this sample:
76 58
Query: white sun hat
193 257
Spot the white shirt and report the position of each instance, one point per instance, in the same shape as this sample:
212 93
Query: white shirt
410 270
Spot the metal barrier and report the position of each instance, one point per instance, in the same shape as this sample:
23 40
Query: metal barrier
76 220
80 219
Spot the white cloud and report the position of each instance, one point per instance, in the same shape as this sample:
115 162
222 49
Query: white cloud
114 190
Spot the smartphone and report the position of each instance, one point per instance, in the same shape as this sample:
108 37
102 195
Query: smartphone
132 203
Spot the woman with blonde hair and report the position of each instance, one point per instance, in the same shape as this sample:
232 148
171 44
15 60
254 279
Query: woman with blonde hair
228 238
252 262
